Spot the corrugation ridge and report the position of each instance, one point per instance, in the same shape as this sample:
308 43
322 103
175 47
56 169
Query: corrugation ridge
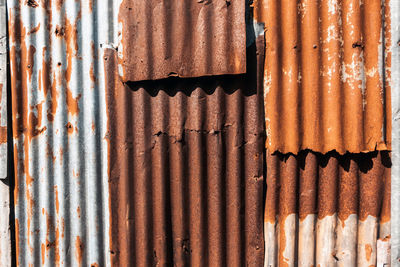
348 195
335 52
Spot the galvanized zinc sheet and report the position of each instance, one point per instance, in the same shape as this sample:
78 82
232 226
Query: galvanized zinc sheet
59 119
186 168
395 85
327 209
325 75
158 39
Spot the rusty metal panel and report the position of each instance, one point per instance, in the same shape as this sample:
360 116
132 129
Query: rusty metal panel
395 85
158 39
59 125
186 168
325 75
327 209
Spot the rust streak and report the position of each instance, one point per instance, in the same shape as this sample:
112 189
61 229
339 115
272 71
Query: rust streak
79 250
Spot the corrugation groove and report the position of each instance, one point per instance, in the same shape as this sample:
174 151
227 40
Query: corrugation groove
59 119
181 38
186 173
326 209
327 68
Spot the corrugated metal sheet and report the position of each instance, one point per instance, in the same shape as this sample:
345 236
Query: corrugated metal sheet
327 210
186 174
187 38
395 85
325 76
59 124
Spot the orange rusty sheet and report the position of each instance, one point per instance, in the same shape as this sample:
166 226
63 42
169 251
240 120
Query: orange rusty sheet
187 38
327 67
327 210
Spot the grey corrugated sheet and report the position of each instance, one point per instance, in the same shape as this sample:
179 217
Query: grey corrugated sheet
59 120
395 85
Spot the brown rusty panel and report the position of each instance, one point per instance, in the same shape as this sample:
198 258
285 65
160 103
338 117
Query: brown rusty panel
186 169
159 39
324 209
327 75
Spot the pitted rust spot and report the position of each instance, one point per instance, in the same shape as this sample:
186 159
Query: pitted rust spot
59 31
31 3
70 128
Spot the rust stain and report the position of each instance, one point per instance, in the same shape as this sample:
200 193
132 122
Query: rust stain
49 84
368 251
78 211
30 63
71 42
57 201
43 252
72 103
79 248
59 4
16 170
92 76
34 29
17 241
57 246
3 134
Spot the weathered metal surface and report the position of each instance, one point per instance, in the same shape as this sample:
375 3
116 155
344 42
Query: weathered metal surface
327 210
325 75
186 38
186 173
395 85
59 125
